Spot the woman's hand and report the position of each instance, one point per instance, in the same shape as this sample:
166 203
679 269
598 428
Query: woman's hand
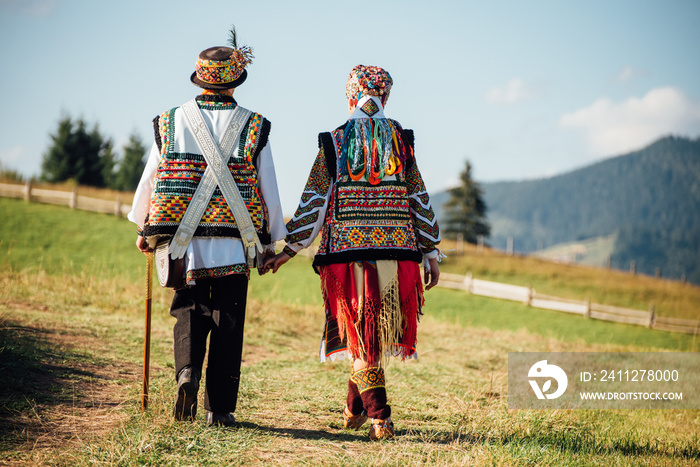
432 273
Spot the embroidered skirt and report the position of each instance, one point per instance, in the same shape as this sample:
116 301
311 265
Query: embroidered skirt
372 310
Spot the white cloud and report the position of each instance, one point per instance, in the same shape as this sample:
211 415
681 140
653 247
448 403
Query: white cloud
614 128
514 91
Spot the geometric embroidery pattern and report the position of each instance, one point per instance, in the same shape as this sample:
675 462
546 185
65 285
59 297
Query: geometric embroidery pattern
361 201
385 235
211 273
369 378
312 200
179 174
389 215
370 107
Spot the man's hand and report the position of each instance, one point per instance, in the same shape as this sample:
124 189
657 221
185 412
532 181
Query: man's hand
431 273
276 262
265 258
142 244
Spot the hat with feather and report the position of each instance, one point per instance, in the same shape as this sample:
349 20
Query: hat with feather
222 67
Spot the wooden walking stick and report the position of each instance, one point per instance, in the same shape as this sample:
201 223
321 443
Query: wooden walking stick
147 340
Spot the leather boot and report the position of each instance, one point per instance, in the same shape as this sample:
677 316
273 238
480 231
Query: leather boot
381 429
220 419
187 387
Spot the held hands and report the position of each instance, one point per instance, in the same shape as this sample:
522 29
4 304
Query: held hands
431 273
432 270
274 262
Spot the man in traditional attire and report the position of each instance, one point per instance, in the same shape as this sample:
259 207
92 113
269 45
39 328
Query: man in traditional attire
366 197
211 300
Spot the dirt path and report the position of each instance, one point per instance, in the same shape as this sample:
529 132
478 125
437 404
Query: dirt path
61 401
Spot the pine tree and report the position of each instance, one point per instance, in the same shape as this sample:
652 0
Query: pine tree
466 209
75 154
131 165
109 162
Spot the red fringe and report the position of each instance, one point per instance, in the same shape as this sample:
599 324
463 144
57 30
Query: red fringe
342 302
411 293
372 308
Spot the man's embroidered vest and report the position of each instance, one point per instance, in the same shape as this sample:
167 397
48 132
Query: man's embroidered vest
181 168
368 217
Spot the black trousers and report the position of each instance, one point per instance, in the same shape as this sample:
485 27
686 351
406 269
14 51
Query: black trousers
213 308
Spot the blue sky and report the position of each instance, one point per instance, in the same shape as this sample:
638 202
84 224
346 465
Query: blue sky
521 89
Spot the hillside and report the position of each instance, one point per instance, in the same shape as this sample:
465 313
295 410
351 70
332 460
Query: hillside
649 199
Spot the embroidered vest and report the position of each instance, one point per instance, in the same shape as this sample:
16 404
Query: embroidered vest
369 215
181 168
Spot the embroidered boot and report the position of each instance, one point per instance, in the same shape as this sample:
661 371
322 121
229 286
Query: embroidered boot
354 406
381 429
371 385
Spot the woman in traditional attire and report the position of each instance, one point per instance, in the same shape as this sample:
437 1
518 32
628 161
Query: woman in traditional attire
366 197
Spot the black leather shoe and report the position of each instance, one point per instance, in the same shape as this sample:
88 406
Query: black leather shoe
186 402
220 419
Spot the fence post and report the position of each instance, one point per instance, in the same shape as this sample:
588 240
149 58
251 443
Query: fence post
480 244
460 243
118 206
28 191
652 316
468 282
530 293
509 246
73 203
587 313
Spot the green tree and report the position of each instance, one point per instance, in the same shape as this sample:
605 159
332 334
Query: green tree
76 153
465 211
131 166
109 162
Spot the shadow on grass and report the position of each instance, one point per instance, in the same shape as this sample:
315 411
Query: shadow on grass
572 441
575 442
301 433
36 374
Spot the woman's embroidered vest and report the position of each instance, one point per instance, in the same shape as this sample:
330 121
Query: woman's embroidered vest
181 168
369 214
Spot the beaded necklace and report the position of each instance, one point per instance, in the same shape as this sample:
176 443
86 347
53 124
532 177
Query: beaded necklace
371 149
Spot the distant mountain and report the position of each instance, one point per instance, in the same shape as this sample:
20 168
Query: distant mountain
649 199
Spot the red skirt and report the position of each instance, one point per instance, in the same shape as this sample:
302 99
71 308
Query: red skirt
372 309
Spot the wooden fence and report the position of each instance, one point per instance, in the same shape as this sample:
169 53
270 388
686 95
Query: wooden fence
585 308
66 198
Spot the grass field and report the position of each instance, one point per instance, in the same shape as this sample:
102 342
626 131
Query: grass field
599 285
71 333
